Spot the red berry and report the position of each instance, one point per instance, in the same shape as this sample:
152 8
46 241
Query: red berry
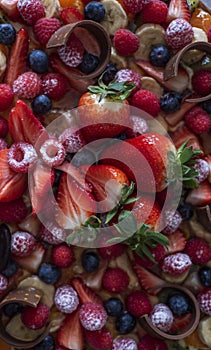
202 168
66 299
148 342
72 139
204 300
6 97
154 12
21 157
133 6
31 10
44 28
3 282
71 53
101 339
22 243
92 316
3 144
198 250
14 211
201 82
198 120
124 344
176 264
27 85
129 75
70 15
157 252
52 152
63 255
112 251
52 233
115 280
3 126
35 317
179 33
138 304
162 317
138 127
172 220
125 42
147 101
54 85
209 34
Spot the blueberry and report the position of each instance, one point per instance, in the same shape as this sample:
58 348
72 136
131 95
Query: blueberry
125 323
49 273
47 343
186 211
170 101
89 63
83 157
7 34
12 309
94 11
206 105
159 55
113 306
178 303
109 73
90 261
38 61
41 104
10 269
205 276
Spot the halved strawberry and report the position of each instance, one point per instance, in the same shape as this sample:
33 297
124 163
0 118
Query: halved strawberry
182 134
70 15
10 8
148 280
17 60
177 242
200 196
146 211
12 185
180 322
70 334
24 126
75 173
178 9
85 293
32 262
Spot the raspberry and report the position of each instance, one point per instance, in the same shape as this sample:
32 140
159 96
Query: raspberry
162 317
138 126
154 12
157 252
71 15
31 10
52 152
21 157
179 33
14 211
3 144
35 318
138 304
54 85
125 42
101 339
209 34
176 264
3 125
63 255
44 28
92 316
22 243
6 97
201 82
115 280
147 101
52 233
72 139
198 250
204 300
198 120
71 53
129 75
27 85
133 6
148 342
124 344
66 299
202 168
3 282
173 219
112 251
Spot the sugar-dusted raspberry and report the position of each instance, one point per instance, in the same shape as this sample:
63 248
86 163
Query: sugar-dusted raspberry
3 144
124 344
3 282
172 220
92 316
63 255
14 211
138 126
176 264
112 251
125 42
134 6
72 52
35 317
54 85
162 317
3 126
6 97
27 85
147 101
155 12
22 243
198 120
101 339
31 10
138 304
198 250
21 157
44 28
204 300
179 33
66 299
52 233
129 75
115 280
201 82
202 168
72 139
52 152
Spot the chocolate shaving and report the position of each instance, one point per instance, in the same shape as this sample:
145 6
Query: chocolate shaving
5 239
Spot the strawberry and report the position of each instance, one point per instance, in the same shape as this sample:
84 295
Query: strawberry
10 8
35 317
70 334
180 322
86 295
32 262
157 252
13 211
101 339
115 280
177 242
182 134
12 184
146 211
17 60
198 250
178 9
148 280
70 15
138 304
200 196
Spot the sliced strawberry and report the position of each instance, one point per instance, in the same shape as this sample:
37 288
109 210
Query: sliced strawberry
12 185
174 118
88 40
182 134
177 242
70 334
70 15
85 294
200 196
32 262
17 60
178 9
76 174
180 322
148 280
24 126
10 8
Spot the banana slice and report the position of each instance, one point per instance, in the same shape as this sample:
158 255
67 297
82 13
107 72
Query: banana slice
119 61
151 84
115 16
193 56
52 8
204 330
149 35
18 330
3 63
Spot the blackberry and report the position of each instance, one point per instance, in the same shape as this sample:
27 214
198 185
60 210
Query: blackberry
159 55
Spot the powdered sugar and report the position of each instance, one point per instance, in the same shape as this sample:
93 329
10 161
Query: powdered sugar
176 264
124 344
3 282
162 317
66 299
71 53
204 300
179 33
92 316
